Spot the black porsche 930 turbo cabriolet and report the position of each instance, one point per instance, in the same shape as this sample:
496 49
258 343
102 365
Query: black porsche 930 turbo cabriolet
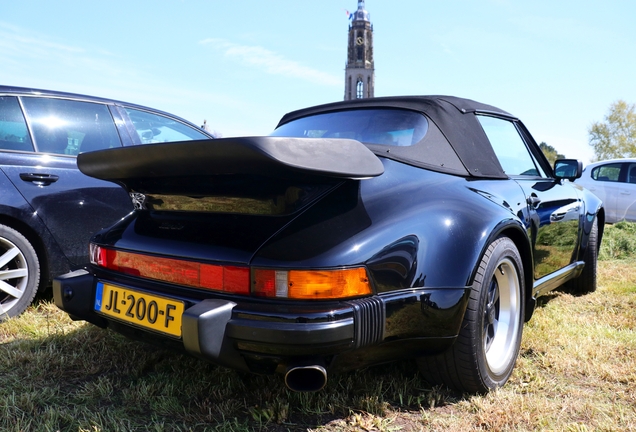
357 233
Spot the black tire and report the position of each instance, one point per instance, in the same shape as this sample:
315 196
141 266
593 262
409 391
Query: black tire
484 354
585 283
19 273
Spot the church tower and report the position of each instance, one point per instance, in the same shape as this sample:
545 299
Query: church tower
359 71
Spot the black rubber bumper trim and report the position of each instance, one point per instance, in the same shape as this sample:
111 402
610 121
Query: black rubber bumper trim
203 330
215 329
278 333
74 293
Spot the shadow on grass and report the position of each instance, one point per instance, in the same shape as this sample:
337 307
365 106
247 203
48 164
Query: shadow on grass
45 296
545 299
88 378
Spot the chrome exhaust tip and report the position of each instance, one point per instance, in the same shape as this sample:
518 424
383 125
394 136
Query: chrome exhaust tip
306 378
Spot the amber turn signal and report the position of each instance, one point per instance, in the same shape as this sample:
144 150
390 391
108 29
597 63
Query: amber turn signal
311 284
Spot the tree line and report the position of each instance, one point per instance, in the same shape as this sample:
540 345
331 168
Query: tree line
612 138
615 137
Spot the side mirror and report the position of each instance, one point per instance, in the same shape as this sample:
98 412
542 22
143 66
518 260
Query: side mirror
569 169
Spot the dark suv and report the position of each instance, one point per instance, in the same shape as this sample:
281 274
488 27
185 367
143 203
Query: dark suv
48 208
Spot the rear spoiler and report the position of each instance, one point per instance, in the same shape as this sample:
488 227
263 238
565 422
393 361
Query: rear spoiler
278 157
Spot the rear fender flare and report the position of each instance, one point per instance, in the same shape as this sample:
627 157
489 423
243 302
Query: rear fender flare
514 230
594 210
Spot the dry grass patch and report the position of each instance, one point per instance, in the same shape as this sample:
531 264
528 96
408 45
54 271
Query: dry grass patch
576 372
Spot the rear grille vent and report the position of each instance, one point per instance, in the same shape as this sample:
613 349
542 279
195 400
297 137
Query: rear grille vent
369 317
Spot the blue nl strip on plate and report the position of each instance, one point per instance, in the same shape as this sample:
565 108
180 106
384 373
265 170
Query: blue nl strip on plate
98 296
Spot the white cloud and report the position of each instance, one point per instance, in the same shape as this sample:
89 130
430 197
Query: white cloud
271 62
29 54
15 41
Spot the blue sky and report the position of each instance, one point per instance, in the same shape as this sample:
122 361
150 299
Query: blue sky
556 64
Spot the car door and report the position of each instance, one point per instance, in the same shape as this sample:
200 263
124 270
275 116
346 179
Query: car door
604 182
554 207
626 196
72 205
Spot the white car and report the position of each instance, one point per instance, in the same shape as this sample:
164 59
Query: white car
613 181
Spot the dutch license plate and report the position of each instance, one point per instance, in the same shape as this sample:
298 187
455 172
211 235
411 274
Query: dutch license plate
149 311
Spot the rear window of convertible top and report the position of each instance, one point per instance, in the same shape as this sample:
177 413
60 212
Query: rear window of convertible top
392 127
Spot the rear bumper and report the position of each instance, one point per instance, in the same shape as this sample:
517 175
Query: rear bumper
263 336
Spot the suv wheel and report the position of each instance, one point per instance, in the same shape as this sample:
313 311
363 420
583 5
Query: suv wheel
19 273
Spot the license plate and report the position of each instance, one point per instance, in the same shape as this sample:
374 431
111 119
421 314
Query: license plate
149 311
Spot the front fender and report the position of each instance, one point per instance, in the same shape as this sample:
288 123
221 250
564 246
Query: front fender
593 209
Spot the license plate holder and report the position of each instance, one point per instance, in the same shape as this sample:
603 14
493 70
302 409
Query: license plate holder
149 311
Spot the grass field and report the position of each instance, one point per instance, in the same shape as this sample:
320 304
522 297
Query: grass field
576 372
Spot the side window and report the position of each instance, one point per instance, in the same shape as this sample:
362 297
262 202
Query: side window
154 128
511 150
69 127
14 134
631 173
607 173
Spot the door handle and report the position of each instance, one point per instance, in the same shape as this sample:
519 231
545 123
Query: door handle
39 179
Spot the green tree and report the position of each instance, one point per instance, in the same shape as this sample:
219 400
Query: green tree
616 136
550 153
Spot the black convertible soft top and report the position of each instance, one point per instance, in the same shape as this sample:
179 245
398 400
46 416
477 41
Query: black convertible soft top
453 116
456 144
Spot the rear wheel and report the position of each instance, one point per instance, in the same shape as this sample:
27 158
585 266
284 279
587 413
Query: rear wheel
586 282
19 273
484 354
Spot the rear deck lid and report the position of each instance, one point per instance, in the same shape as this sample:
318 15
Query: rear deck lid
247 175
221 200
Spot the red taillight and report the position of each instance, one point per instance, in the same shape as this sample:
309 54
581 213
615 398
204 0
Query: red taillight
270 283
282 284
214 277
98 255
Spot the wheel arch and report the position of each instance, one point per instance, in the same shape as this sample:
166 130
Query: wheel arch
601 225
515 231
594 209
31 234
